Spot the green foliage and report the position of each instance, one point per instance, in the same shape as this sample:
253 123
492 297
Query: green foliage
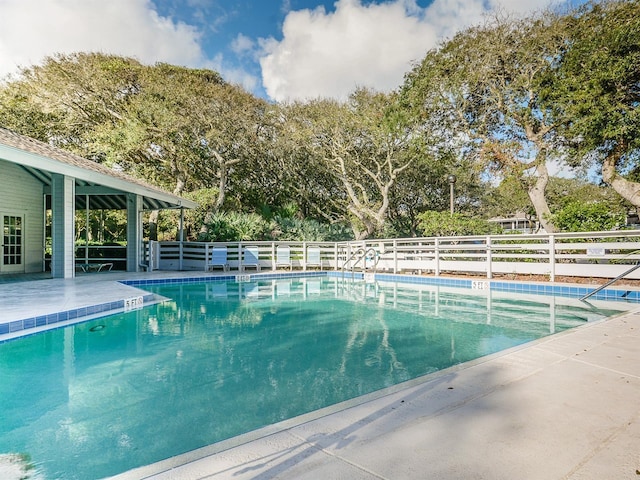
594 90
287 228
588 217
206 199
444 224
104 225
233 226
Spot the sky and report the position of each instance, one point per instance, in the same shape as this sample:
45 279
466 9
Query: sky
281 50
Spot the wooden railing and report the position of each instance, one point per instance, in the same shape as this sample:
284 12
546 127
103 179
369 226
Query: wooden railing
593 254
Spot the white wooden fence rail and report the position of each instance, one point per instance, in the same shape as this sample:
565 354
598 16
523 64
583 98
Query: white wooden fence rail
592 254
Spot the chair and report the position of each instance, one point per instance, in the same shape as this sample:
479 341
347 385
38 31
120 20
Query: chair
251 258
283 256
218 259
313 257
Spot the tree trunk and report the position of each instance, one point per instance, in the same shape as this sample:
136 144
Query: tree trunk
630 191
537 197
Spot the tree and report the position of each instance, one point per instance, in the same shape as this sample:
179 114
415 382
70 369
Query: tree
425 186
595 90
363 146
182 129
481 91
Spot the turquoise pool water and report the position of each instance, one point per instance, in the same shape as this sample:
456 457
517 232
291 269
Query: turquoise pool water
221 359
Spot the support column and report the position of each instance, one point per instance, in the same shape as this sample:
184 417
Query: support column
62 226
134 231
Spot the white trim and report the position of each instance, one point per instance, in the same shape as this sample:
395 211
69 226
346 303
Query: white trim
40 162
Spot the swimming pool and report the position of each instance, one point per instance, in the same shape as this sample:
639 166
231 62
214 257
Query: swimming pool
224 358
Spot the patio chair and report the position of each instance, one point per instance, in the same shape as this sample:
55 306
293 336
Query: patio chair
313 257
283 256
218 259
251 258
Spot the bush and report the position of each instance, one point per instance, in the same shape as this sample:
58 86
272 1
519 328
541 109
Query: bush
232 227
587 217
445 224
287 228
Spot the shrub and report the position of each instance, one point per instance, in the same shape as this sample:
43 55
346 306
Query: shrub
587 217
445 224
232 226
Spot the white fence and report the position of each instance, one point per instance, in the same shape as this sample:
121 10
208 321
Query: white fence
594 254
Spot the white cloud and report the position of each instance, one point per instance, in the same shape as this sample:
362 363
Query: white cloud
328 54
33 29
242 44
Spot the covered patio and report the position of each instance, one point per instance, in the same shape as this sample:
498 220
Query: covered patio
38 178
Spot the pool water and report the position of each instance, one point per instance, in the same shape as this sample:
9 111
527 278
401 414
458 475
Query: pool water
221 359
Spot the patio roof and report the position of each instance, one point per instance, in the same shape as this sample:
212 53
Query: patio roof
106 186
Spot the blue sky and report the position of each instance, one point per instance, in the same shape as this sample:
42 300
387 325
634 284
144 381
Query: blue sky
278 49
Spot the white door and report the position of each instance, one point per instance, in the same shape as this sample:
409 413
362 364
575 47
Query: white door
12 260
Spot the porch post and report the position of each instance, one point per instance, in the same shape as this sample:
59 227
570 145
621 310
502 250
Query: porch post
134 231
62 226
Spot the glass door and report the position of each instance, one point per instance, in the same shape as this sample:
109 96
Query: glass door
12 244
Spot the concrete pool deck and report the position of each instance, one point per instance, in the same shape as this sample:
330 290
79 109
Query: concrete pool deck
563 407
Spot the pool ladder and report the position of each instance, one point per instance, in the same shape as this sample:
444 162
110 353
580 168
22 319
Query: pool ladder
361 255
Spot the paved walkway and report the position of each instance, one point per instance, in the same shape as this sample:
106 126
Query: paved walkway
565 407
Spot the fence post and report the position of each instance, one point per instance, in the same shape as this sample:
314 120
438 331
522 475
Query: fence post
436 251
552 258
304 256
206 256
273 256
395 255
489 258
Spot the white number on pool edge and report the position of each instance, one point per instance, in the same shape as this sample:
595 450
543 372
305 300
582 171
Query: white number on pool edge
479 285
133 303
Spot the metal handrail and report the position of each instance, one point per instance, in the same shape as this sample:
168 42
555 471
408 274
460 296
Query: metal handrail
361 253
602 287
351 257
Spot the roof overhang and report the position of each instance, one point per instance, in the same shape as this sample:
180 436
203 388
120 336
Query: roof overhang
91 181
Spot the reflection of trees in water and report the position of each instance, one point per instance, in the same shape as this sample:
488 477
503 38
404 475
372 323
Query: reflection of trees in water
372 334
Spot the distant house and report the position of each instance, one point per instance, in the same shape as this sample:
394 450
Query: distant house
36 177
519 222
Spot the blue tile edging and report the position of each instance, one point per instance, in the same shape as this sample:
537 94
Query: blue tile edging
573 291
221 278
54 318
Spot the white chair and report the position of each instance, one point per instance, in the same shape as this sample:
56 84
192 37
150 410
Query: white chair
283 256
218 259
313 257
251 258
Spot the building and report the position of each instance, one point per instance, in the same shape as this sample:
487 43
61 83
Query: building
520 222
36 177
